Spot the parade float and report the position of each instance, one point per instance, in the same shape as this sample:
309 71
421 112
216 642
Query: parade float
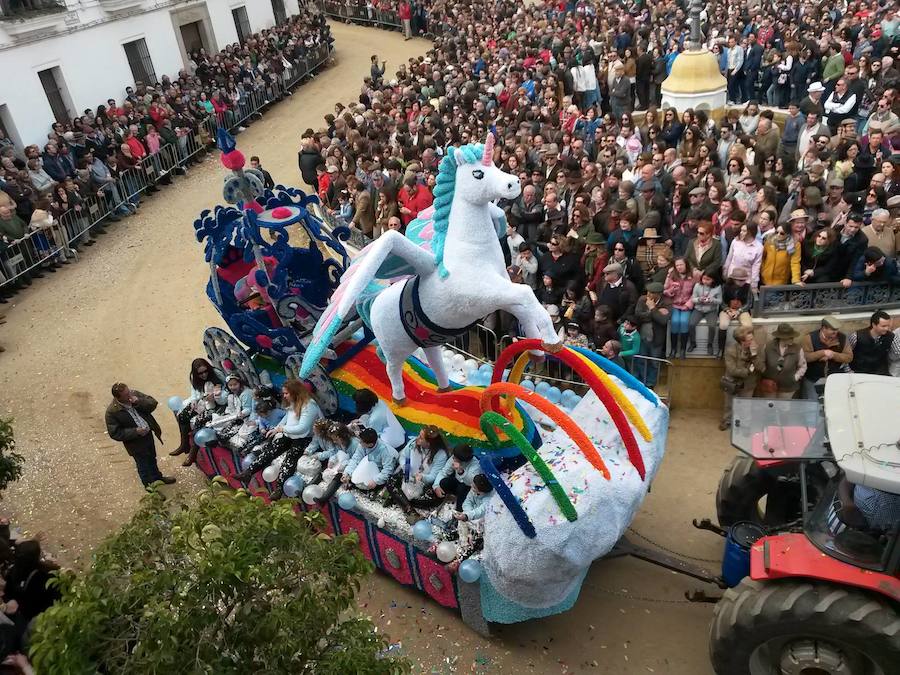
304 297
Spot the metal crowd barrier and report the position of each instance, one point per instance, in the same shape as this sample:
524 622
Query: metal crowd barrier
482 344
24 257
351 11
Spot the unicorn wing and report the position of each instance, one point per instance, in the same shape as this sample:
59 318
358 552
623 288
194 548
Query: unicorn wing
388 256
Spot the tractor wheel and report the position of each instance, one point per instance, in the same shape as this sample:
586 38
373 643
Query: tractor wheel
745 483
797 627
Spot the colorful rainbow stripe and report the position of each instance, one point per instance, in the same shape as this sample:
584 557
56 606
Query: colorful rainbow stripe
457 413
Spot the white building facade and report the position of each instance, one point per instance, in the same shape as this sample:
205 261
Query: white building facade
58 58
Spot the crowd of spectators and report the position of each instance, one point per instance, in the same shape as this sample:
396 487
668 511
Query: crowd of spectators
24 573
94 169
635 228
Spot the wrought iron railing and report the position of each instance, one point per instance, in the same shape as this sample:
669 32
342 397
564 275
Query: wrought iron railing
826 298
24 9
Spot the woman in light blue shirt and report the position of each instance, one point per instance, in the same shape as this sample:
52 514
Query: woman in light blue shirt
290 437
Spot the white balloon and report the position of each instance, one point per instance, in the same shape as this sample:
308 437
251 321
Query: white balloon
278 461
270 473
458 360
470 365
446 551
311 493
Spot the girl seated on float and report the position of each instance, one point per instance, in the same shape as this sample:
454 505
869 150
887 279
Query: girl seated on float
290 437
375 414
372 464
208 394
267 413
420 461
471 520
456 476
239 407
333 445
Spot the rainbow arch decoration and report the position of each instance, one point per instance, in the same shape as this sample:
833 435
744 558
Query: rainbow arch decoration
596 374
457 413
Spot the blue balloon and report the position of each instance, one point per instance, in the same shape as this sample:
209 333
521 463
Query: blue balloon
486 368
347 501
469 570
528 384
542 387
175 403
422 530
247 461
293 486
568 395
204 436
553 395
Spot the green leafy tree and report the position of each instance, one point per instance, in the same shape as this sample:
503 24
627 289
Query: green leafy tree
224 585
11 462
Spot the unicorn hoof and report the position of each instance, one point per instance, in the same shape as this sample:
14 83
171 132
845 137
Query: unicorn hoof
399 401
554 348
444 390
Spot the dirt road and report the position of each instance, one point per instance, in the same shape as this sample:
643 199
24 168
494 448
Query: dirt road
133 309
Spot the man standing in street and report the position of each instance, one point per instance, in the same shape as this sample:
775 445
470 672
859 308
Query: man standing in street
405 13
129 420
826 351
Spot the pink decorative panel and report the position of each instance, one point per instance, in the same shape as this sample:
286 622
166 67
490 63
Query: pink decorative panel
394 558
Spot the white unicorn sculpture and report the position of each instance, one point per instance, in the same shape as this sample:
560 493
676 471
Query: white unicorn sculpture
440 278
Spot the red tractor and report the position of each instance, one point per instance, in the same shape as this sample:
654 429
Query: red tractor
823 591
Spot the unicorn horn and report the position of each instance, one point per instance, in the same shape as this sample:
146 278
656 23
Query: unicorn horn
488 157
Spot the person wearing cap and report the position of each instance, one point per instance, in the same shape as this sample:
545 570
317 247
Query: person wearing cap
873 265
873 346
744 361
880 233
785 363
129 420
617 292
826 351
851 244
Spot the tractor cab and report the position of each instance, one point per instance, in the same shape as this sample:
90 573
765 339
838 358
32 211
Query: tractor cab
834 450
822 481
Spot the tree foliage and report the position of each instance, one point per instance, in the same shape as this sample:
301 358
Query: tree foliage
224 585
11 462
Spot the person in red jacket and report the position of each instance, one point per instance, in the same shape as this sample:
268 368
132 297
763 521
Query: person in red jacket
412 198
405 12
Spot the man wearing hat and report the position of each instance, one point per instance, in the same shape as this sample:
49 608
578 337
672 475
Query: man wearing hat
594 259
851 243
813 101
618 293
826 350
701 208
650 245
785 364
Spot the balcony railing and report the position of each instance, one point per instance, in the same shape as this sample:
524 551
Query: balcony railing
861 296
26 9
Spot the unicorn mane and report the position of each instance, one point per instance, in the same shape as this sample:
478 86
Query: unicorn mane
444 189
